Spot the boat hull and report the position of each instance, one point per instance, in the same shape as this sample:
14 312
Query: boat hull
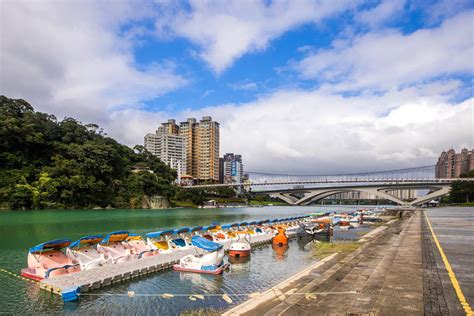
30 274
217 271
239 253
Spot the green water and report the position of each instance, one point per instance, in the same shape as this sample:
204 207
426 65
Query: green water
20 230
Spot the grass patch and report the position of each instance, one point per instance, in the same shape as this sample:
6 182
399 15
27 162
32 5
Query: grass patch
324 249
466 204
186 204
274 203
201 312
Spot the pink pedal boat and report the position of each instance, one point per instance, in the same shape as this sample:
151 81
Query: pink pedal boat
138 247
46 260
113 248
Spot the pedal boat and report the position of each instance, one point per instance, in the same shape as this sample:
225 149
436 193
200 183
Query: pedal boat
47 260
315 231
195 231
180 242
211 262
244 229
138 247
111 246
355 221
280 239
84 252
241 247
160 240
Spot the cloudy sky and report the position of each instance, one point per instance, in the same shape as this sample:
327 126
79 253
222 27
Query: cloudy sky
322 86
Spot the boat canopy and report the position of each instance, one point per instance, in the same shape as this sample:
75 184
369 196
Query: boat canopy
243 224
263 221
229 225
196 229
205 244
117 236
274 220
181 230
87 240
134 237
50 245
160 233
252 223
206 228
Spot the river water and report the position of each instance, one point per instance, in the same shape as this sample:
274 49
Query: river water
20 230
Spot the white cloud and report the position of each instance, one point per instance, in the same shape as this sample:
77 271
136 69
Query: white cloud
226 30
384 11
383 59
67 58
314 132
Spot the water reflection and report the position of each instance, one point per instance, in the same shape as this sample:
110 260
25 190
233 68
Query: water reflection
239 260
280 251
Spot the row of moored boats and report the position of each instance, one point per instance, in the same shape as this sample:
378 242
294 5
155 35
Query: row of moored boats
61 256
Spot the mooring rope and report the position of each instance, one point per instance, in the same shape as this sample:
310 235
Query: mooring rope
17 275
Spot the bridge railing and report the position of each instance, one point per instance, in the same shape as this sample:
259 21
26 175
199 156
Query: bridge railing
331 181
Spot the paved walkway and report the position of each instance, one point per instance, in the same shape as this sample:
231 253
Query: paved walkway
454 228
385 277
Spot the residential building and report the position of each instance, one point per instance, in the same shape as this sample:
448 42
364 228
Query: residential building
202 148
452 165
169 146
232 168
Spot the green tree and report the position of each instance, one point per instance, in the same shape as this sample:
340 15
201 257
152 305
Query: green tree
462 191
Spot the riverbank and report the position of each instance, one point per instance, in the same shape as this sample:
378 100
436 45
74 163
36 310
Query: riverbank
360 282
402 268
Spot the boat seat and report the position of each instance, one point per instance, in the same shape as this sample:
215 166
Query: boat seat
163 245
220 235
116 251
179 242
208 237
87 257
231 234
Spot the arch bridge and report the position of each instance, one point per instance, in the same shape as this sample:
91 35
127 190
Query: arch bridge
305 196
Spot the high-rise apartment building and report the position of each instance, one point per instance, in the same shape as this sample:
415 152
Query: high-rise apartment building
202 148
453 165
192 147
232 168
169 146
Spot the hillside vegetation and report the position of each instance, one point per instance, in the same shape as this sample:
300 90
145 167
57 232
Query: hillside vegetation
50 163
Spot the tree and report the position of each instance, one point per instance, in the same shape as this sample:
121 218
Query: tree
46 163
462 191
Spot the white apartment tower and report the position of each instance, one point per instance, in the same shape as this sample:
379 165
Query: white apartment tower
169 146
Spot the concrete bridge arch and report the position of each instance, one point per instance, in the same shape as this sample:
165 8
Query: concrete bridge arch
316 194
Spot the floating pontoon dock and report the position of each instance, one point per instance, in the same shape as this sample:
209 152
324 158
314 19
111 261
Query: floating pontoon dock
69 286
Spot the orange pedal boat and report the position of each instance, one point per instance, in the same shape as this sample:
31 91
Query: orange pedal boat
280 238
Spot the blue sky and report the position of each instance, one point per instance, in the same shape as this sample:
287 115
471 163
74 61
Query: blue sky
298 86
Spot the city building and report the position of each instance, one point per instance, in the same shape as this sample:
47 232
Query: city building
453 165
406 194
202 148
169 146
232 168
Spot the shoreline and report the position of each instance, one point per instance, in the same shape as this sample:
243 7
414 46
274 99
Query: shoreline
288 288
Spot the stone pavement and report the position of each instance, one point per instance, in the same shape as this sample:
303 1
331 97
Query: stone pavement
383 277
454 228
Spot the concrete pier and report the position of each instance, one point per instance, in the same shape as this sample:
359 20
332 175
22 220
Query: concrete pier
70 285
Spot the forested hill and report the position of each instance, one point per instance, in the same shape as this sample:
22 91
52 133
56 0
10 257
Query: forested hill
48 163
